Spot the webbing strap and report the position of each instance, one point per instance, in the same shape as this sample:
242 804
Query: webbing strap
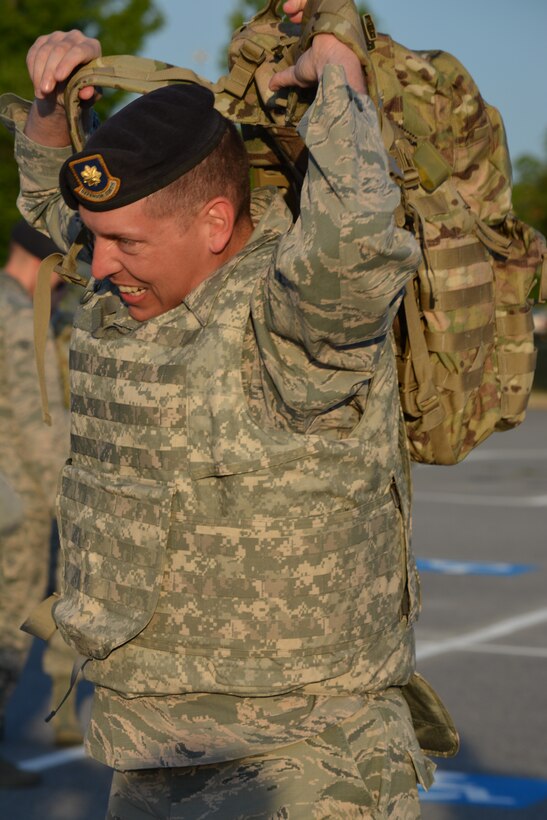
462 257
447 342
543 278
498 243
427 399
136 74
40 622
515 324
464 297
79 664
404 155
513 404
42 314
517 363
462 382
250 56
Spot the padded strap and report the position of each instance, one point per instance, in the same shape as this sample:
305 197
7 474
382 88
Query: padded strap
136 74
66 267
42 314
427 399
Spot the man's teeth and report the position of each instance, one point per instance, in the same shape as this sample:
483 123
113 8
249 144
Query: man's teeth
127 289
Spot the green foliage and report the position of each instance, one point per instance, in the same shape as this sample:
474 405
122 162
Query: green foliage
120 25
530 190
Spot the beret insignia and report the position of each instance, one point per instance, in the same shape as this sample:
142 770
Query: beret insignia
95 183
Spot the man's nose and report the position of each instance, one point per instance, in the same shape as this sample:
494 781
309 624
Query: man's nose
104 262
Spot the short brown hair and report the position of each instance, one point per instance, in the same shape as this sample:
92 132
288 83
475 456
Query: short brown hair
224 172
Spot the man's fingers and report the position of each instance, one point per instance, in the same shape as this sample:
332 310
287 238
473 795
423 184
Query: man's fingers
53 58
87 93
282 79
293 9
37 58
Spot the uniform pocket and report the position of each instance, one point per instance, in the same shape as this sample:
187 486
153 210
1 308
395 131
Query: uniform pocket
114 533
384 745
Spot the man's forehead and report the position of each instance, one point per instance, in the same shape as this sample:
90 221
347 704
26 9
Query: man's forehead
126 219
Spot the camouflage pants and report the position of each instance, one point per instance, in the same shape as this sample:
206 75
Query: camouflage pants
24 557
24 570
367 766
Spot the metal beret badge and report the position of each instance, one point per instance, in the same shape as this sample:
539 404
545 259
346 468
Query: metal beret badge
95 182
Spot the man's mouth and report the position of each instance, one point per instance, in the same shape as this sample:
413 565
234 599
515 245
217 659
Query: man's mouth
130 289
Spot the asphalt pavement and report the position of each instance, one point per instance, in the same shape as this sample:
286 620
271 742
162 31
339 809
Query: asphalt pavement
480 535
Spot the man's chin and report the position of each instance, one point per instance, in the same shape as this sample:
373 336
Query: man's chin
142 314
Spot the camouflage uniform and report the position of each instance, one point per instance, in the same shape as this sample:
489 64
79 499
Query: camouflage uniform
31 456
235 514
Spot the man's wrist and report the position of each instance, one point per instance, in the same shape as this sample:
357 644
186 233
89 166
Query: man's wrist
332 51
47 125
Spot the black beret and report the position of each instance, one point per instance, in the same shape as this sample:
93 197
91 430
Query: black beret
143 147
32 240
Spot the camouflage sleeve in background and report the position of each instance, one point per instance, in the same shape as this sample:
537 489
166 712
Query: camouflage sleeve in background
344 265
40 449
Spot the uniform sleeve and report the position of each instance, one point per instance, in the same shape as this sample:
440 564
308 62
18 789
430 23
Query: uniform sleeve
340 273
40 201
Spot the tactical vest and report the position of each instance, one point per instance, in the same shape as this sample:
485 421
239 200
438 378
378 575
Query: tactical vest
203 552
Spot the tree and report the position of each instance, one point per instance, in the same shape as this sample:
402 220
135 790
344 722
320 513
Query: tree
120 25
530 190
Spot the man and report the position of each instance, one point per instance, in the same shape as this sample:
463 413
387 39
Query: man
234 515
31 455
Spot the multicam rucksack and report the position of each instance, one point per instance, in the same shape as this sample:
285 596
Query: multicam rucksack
464 335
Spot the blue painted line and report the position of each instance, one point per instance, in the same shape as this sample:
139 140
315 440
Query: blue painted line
485 790
446 567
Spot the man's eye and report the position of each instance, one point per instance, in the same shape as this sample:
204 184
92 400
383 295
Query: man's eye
127 244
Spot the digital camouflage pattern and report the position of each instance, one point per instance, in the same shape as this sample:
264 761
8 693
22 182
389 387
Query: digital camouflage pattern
31 456
223 601
208 598
366 767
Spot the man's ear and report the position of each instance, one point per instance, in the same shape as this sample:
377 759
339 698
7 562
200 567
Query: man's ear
220 218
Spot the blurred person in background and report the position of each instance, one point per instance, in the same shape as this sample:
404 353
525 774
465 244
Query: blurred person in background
31 456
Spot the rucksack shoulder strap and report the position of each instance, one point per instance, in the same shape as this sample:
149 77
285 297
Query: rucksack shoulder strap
134 74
